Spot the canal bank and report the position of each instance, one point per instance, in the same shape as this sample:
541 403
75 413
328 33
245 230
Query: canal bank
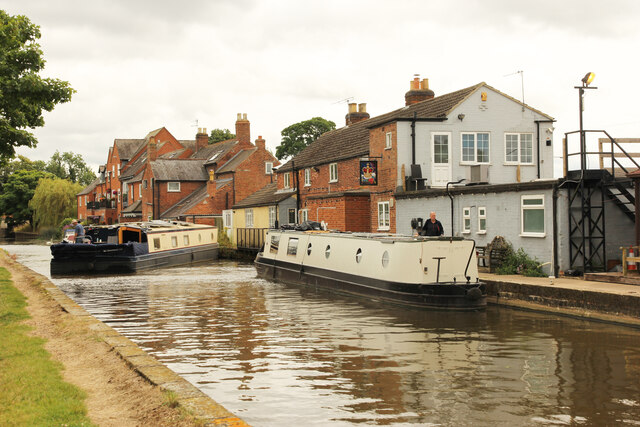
124 384
607 302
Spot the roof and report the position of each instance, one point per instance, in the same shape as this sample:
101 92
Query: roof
128 147
189 144
179 170
89 188
236 160
187 203
134 207
211 153
266 196
132 169
353 141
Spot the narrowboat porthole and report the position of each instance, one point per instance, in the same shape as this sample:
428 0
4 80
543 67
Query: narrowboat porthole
199 238
309 249
292 247
156 243
385 259
327 251
358 255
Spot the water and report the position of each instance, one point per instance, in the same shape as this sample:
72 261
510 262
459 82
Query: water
275 354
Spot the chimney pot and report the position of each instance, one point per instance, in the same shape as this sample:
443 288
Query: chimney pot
362 108
239 116
243 130
244 116
352 107
425 84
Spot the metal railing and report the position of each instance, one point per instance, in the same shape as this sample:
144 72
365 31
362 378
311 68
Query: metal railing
612 153
251 239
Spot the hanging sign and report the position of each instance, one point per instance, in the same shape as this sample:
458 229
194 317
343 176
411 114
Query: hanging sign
368 172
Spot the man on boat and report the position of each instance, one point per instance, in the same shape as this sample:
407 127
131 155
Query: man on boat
432 227
79 229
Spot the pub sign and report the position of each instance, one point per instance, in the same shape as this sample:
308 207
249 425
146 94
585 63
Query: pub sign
368 172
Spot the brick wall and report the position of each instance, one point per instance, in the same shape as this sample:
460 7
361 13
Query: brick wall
387 172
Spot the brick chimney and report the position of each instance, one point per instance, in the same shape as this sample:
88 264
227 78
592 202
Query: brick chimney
152 151
211 183
202 139
243 131
260 142
418 91
356 116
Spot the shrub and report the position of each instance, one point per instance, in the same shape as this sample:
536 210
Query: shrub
519 262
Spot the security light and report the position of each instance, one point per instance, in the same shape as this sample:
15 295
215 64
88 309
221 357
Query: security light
588 78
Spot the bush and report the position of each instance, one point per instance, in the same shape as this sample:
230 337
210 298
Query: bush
223 239
519 262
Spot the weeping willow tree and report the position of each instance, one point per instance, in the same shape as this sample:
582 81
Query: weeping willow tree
53 200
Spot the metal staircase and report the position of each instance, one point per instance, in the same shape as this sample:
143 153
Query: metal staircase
620 191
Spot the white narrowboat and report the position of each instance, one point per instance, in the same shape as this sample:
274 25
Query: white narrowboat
424 272
130 247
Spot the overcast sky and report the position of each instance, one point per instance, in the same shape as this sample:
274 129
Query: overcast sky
141 65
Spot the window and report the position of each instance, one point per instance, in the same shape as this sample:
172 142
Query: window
388 141
383 216
304 215
145 184
518 148
118 170
140 190
359 255
466 220
227 218
268 168
272 216
174 241
275 243
156 243
287 180
292 247
532 215
307 177
85 201
482 220
327 252
131 191
333 172
248 218
475 147
80 201
309 247
385 259
292 216
173 187
185 240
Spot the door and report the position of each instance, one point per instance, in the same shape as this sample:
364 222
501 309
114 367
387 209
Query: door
440 159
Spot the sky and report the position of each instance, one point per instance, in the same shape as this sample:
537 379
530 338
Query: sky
138 65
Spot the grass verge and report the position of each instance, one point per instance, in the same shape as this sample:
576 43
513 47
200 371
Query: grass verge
32 390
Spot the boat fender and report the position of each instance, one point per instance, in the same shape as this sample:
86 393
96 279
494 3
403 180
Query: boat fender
474 294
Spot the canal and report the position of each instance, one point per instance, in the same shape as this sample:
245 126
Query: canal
275 354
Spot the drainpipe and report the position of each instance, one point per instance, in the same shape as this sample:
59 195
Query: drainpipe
295 172
556 268
451 197
413 139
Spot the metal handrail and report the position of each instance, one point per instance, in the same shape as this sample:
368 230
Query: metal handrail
614 160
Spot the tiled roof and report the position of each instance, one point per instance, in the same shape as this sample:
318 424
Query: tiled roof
133 168
189 144
212 152
266 196
128 147
236 160
173 154
179 170
353 141
89 188
134 207
187 203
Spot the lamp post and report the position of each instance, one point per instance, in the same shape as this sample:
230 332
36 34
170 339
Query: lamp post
586 81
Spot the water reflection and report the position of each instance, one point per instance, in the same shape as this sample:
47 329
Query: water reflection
270 352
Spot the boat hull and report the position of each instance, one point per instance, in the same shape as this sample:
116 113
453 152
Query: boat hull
103 262
436 296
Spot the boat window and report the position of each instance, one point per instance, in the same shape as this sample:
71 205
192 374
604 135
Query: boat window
327 251
385 259
199 238
185 239
156 243
358 255
174 241
292 247
275 243
309 249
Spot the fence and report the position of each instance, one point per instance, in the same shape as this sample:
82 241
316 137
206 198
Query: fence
250 239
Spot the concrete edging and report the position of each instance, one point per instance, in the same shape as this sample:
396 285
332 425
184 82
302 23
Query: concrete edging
188 396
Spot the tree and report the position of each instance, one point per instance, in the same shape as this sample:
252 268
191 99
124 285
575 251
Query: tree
70 166
23 93
218 135
16 193
296 137
7 168
53 200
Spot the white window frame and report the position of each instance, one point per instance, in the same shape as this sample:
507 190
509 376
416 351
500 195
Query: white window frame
524 208
519 149
475 160
248 218
466 220
384 216
85 200
287 180
272 216
140 190
333 172
304 215
174 190
268 168
227 218
388 142
307 177
482 215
